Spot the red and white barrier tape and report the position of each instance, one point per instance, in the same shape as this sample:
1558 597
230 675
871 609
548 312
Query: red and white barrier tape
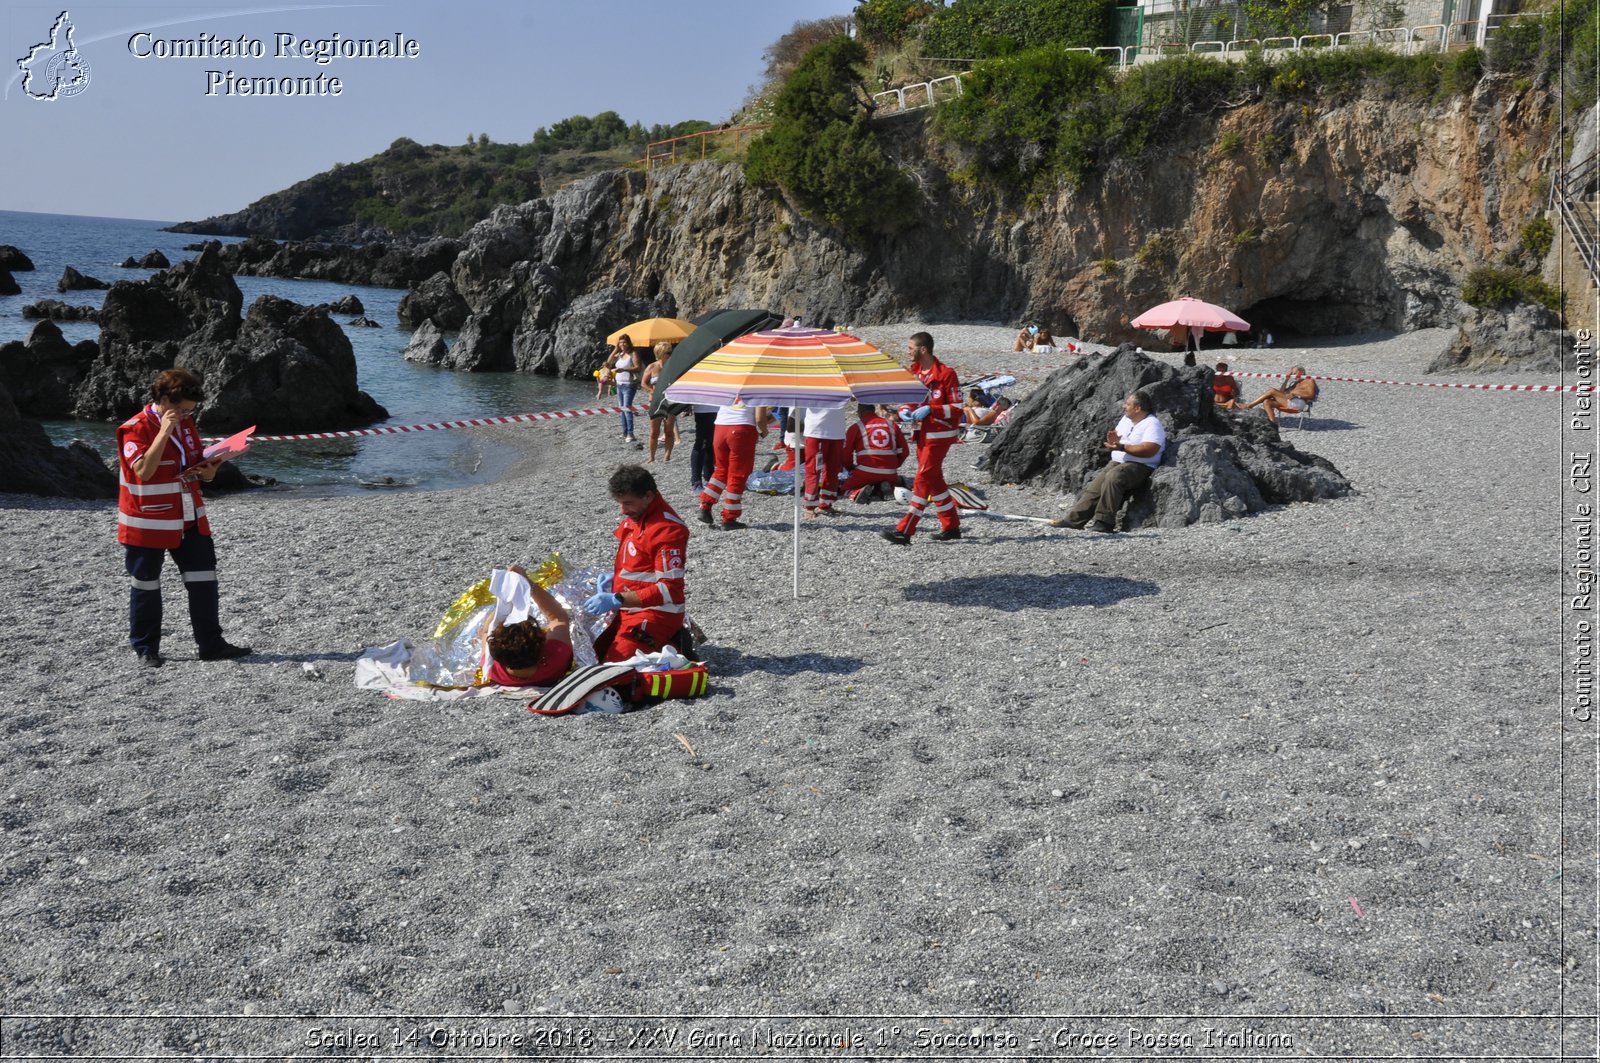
469 422
563 415
1579 389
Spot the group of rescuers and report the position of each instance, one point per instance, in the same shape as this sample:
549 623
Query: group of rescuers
161 511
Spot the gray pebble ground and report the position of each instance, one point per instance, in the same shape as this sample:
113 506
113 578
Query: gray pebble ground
1031 772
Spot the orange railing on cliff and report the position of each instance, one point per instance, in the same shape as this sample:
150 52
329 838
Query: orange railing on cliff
678 149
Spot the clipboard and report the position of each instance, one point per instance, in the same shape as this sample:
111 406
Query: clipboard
229 448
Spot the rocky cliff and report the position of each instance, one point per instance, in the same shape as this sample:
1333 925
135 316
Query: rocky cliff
1360 217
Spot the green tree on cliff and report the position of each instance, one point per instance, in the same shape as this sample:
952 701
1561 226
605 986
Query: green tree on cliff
822 152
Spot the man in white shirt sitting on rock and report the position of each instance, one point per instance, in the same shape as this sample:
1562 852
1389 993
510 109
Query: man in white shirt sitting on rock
1136 445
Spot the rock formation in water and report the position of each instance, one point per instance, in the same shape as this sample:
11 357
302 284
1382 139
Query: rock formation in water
283 367
73 281
30 464
44 373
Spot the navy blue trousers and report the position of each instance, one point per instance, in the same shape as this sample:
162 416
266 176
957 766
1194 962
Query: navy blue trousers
196 557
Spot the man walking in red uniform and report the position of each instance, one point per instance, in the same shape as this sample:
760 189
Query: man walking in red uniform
938 424
646 584
874 450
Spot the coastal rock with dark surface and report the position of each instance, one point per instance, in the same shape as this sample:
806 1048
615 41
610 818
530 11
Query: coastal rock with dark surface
12 258
8 284
291 369
283 367
43 374
1217 465
129 263
515 326
427 346
362 322
580 345
31 465
1524 336
374 265
148 325
56 310
435 300
154 259
73 281
1369 218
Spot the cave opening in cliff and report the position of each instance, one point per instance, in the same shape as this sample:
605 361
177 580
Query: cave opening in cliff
1287 315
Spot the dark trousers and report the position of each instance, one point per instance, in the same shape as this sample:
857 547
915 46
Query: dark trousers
196 557
700 456
1103 496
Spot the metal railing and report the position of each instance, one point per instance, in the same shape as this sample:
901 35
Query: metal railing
1572 195
680 149
914 96
1433 36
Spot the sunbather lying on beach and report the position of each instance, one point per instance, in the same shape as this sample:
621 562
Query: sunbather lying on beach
528 653
1294 395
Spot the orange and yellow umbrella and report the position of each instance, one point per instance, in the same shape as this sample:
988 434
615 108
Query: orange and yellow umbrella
654 330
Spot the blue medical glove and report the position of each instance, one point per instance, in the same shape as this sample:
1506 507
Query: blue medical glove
603 602
603 584
920 413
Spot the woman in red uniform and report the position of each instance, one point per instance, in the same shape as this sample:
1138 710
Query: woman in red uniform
160 511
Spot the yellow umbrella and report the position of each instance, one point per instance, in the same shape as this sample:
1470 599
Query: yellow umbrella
654 330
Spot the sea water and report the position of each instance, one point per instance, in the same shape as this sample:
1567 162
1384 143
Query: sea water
412 393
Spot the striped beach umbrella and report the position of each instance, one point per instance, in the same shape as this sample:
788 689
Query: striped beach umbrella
818 368
808 367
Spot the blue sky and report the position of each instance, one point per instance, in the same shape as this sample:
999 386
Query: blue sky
143 140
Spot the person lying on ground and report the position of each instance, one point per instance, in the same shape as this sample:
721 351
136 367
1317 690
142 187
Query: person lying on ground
530 653
996 414
1294 395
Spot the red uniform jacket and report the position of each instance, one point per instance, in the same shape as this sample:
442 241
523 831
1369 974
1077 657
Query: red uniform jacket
151 512
877 444
944 401
650 561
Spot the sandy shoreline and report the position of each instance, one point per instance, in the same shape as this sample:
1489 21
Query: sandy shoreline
1034 771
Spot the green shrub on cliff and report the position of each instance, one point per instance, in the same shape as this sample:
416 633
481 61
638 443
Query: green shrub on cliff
822 151
1010 112
1498 287
978 29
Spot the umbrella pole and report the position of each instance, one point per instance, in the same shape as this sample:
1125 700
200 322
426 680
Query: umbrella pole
797 481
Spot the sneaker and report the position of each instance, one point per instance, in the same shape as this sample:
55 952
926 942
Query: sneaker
151 659
1063 522
705 515
946 535
733 525
827 511
1097 526
895 535
225 651
696 486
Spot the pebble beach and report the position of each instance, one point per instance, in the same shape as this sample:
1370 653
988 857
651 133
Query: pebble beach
1305 763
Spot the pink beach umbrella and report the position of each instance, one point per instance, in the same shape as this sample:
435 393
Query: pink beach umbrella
1194 313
